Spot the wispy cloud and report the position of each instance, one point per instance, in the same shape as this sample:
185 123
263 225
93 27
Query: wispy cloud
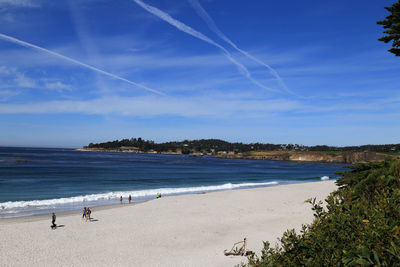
23 81
7 94
4 70
199 106
12 78
26 44
187 29
211 24
57 86
224 107
19 3
117 60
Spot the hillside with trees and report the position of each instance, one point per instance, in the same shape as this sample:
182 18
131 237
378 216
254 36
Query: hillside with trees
213 146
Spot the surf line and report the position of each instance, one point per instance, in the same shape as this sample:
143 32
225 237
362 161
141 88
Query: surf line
29 45
189 30
135 194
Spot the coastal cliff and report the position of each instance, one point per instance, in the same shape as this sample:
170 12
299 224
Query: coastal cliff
310 156
224 149
304 156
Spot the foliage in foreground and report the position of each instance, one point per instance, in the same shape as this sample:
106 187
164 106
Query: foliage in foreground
359 226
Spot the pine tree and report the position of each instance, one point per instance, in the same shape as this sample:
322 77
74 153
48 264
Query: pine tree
392 23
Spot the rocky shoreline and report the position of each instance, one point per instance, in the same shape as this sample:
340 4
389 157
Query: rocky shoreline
311 156
302 156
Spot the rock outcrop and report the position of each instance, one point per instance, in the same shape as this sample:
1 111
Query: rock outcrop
339 157
306 156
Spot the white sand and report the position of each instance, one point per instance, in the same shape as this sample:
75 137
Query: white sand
188 230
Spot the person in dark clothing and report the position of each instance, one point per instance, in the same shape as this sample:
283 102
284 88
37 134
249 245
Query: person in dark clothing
84 213
88 212
53 221
130 198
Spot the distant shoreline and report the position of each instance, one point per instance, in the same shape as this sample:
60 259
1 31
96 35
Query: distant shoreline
121 150
300 156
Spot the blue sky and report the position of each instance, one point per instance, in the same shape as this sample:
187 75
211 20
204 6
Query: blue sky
306 72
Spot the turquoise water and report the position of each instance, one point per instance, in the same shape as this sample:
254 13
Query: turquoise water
41 180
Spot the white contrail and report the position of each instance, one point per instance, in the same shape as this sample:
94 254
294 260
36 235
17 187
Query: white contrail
20 42
211 24
187 29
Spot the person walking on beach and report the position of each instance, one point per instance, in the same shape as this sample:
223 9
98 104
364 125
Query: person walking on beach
130 199
88 212
53 221
120 200
84 213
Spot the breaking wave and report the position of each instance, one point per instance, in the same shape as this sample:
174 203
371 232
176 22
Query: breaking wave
138 194
324 178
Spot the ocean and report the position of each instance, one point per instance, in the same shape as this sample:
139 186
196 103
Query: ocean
44 180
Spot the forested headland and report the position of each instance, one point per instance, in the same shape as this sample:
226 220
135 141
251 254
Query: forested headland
264 151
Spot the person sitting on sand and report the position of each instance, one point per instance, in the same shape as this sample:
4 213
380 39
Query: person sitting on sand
53 221
130 198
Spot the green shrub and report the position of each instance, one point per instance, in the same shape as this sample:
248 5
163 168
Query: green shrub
359 226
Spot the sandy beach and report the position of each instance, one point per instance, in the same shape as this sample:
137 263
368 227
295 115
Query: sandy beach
186 230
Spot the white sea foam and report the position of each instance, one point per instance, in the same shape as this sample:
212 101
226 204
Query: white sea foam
324 178
139 194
